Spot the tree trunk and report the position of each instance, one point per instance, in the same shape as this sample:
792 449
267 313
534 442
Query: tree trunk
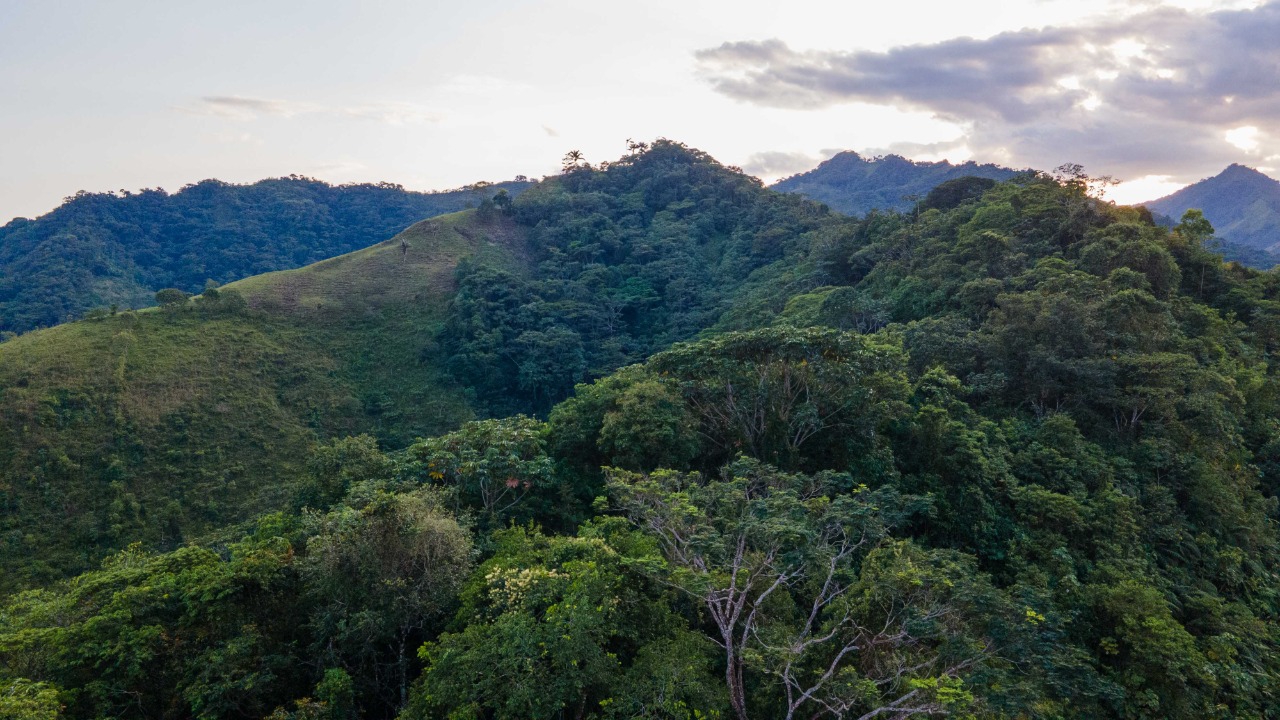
403 671
733 678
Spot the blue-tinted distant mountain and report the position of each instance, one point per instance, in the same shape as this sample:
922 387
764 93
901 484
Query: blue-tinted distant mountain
852 184
1243 205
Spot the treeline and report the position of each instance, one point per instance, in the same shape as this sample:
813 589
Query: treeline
1012 454
103 249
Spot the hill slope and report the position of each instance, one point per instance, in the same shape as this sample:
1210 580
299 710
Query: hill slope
105 249
159 425
1242 203
854 185
1013 455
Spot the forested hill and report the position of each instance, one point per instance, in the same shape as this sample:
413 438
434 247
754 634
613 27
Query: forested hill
162 425
852 184
1242 203
103 249
1013 454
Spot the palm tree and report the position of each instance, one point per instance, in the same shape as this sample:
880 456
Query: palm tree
573 160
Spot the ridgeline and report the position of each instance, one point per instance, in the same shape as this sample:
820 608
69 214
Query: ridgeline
100 250
1011 454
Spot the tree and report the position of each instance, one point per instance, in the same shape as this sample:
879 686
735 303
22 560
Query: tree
378 575
336 466
573 160
792 397
551 362
773 558
182 634
25 700
956 192
1195 232
560 627
210 292
171 298
491 466
649 427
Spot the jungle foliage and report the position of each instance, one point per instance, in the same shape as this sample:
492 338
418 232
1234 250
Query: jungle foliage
1011 454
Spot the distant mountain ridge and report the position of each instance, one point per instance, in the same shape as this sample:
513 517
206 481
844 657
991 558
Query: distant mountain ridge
1242 203
854 185
101 249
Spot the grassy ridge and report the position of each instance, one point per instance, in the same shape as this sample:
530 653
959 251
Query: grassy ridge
102 249
158 426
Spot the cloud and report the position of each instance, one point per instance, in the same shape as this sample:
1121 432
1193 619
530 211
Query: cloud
928 152
1160 90
339 169
775 164
233 138
246 108
392 113
236 107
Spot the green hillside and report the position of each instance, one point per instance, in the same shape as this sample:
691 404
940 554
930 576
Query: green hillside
104 249
159 425
1011 455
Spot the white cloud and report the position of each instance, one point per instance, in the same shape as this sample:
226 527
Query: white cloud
236 107
1245 138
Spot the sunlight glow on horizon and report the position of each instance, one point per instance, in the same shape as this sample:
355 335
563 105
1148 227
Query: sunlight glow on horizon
1143 189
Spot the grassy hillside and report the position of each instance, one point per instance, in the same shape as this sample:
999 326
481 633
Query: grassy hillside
102 249
158 425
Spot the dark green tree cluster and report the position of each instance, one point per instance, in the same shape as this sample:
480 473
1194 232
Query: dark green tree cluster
316 613
625 260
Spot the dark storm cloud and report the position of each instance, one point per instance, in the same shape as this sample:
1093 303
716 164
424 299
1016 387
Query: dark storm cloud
953 78
1151 92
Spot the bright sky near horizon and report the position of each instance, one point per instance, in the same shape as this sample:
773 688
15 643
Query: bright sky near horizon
129 94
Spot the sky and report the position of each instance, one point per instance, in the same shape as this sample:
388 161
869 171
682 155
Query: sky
128 94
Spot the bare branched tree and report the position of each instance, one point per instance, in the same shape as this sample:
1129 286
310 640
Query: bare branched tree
774 560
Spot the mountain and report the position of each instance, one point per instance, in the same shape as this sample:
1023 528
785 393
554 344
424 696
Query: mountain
853 185
1242 204
164 424
103 249
1012 454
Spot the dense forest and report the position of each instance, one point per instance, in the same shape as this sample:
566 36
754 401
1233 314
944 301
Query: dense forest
854 185
714 451
118 249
